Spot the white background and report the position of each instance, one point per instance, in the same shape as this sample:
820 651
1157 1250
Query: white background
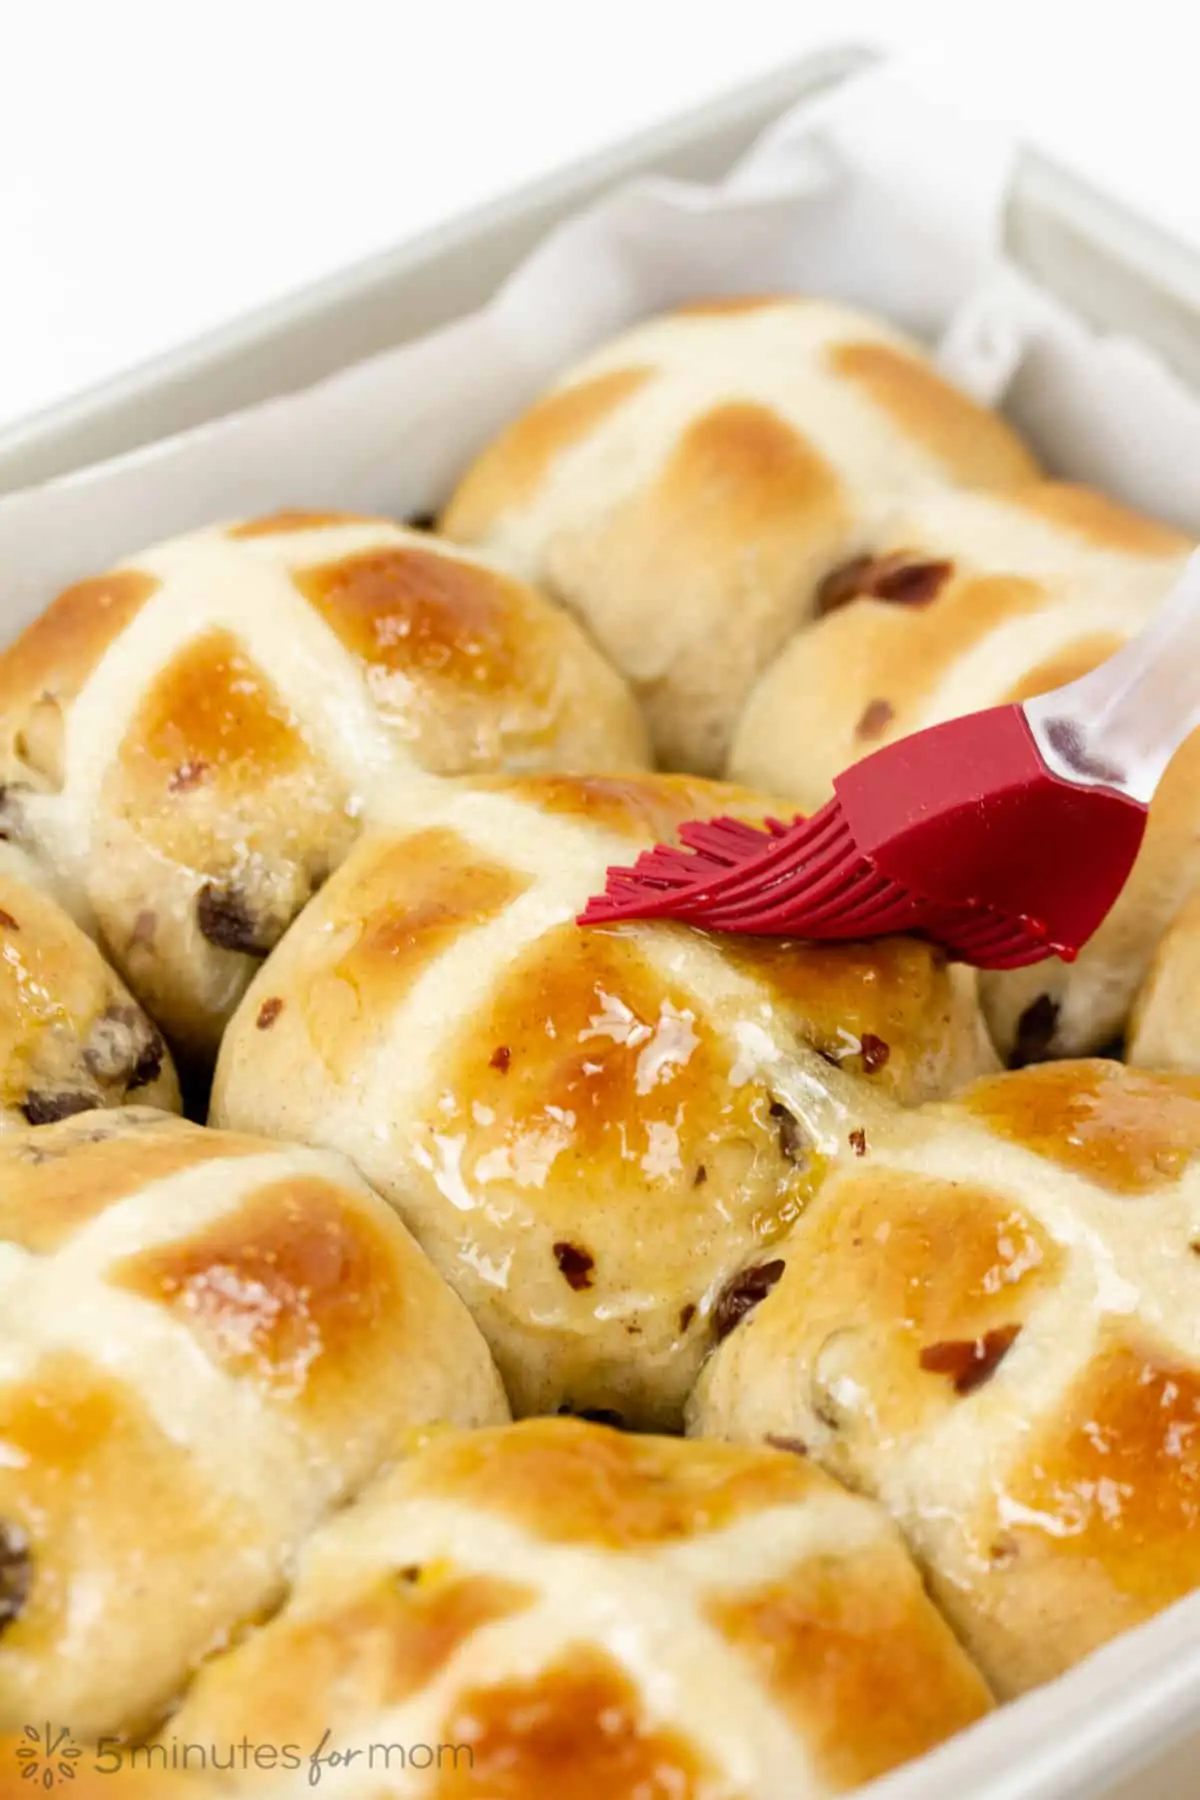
165 166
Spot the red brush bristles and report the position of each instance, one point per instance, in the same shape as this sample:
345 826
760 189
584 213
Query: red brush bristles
959 834
800 880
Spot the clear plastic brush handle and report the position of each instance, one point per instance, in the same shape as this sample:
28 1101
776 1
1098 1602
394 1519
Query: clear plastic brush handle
1120 725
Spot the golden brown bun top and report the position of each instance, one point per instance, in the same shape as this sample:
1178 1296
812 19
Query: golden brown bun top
719 348
465 666
194 740
209 1342
686 488
605 1616
71 1036
649 1103
988 1320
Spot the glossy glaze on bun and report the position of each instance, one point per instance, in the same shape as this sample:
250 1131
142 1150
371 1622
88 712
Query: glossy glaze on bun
592 1133
210 1342
988 1321
329 793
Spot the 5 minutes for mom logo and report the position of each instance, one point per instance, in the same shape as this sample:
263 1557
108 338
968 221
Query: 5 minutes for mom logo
47 1755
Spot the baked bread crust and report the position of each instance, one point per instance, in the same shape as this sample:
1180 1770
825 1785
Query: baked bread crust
209 1343
969 601
71 1036
607 1617
685 489
1164 1031
987 1321
194 738
591 1133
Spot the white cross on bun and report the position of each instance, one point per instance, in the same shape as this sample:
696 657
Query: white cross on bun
686 487
329 794
990 1321
589 1131
193 739
570 1611
210 1342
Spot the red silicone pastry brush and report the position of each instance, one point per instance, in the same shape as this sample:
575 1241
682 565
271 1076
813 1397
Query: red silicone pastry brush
1006 835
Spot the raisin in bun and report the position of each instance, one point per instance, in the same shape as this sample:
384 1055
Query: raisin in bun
607 1617
686 488
592 1133
71 1037
194 738
969 601
210 1342
988 1322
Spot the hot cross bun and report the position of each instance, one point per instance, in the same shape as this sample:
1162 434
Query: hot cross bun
686 488
968 601
989 1319
71 1036
209 1343
590 1132
555 1609
194 738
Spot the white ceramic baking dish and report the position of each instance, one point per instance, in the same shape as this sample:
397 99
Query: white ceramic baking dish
1125 1724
